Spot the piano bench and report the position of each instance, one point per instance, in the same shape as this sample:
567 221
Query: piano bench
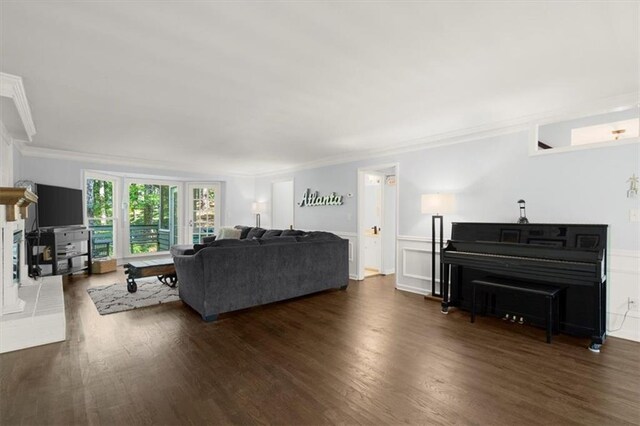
549 292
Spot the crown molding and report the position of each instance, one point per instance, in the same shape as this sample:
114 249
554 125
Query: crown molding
29 150
475 133
11 87
470 134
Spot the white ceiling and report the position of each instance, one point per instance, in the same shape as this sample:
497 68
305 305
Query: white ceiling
251 87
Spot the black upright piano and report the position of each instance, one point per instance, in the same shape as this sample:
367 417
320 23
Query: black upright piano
572 257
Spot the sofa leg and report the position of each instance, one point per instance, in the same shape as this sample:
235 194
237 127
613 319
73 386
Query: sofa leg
210 318
344 287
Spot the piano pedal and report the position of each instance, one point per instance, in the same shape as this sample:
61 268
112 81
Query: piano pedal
506 317
521 320
513 318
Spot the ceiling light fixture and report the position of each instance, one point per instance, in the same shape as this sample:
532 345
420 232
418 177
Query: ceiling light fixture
617 133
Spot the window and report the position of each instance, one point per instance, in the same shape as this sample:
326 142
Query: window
99 208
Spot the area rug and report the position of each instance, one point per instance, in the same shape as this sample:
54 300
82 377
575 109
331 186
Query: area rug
113 298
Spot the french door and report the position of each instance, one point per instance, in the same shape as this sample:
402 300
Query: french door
203 205
151 217
100 200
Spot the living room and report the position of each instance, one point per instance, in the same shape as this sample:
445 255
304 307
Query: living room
317 95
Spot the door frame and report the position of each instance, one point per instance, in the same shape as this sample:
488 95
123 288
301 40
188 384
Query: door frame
362 171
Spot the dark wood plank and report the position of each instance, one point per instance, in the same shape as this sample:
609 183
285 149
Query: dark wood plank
370 354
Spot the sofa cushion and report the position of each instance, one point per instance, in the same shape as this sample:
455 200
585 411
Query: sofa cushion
207 240
255 233
233 243
277 240
245 230
272 233
229 233
318 236
292 233
230 242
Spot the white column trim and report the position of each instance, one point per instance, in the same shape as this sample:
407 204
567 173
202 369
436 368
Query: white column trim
11 87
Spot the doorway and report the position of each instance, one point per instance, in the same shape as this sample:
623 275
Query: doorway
377 220
282 205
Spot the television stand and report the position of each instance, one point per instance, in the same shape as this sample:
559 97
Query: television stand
59 247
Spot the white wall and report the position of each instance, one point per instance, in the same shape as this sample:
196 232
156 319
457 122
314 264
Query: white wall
282 204
488 176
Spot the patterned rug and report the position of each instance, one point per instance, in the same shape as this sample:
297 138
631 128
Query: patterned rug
113 298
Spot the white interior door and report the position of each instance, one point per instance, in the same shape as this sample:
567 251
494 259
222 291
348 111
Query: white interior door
282 205
372 223
203 210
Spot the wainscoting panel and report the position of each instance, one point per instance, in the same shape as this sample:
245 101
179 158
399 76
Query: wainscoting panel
414 264
623 282
353 252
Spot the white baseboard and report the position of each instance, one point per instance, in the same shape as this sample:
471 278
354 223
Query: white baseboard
412 289
630 330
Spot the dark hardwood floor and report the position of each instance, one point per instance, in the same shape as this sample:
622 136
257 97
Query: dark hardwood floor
370 355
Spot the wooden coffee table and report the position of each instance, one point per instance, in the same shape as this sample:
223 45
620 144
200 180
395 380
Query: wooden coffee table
162 268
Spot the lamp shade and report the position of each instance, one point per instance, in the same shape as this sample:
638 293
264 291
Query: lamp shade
438 203
257 208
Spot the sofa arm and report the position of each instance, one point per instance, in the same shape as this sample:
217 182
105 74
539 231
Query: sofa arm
190 272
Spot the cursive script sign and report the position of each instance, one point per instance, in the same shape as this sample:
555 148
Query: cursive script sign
314 199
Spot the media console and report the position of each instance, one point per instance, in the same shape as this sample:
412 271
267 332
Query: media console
62 248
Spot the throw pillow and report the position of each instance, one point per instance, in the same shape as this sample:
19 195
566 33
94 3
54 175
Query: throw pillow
198 247
256 233
245 230
228 233
272 233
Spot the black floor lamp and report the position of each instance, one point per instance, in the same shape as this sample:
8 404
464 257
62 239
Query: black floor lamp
257 208
438 204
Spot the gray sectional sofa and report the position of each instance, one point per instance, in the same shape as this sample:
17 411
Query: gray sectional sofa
228 275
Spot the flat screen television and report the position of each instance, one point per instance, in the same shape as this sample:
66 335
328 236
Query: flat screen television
58 207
